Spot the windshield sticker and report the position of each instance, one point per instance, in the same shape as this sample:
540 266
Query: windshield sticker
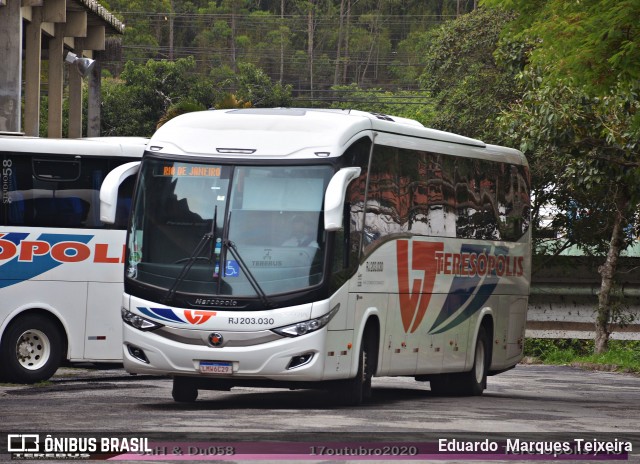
217 251
232 269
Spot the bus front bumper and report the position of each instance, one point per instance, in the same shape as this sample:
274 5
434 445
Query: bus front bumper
271 357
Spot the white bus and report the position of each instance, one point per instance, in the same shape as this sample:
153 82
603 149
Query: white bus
61 268
316 249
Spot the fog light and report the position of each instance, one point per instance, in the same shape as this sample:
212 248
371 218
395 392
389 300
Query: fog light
300 360
138 353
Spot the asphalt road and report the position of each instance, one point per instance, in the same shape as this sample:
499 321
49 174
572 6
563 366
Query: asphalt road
531 402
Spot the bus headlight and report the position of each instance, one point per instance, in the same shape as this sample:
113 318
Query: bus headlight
305 327
138 322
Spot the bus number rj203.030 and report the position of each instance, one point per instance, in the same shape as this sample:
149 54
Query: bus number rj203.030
251 321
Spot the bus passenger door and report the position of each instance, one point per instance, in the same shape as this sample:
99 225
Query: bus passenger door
103 334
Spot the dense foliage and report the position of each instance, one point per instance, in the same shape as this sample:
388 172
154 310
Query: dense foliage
145 96
310 44
579 124
470 86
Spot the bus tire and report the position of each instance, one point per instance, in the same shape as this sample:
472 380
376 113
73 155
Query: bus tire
31 349
473 382
440 384
184 390
353 392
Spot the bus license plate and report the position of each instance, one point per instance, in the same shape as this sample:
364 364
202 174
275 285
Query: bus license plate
216 367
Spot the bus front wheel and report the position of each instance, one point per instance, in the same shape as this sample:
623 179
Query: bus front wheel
353 392
184 390
31 349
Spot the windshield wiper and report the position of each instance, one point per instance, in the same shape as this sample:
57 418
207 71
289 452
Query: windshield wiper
250 277
206 238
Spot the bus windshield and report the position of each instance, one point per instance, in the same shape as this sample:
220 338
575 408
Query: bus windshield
202 230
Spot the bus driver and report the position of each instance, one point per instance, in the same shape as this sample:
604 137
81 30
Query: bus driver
303 233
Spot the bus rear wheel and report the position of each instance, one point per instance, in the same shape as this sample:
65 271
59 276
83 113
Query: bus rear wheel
31 349
184 390
470 383
473 382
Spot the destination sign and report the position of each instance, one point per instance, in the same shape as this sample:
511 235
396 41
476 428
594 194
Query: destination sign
190 170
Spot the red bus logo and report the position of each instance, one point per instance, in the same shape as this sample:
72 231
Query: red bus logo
415 295
198 317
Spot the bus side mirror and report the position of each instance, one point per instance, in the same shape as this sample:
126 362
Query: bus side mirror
334 197
109 190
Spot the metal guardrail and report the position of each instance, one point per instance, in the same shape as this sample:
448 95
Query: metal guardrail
569 311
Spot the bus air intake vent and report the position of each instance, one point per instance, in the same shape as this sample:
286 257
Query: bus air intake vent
384 117
236 151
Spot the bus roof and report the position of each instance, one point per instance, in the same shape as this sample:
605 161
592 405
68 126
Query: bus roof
92 146
284 132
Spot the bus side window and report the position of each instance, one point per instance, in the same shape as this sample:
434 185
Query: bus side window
55 201
349 246
12 203
123 208
57 191
16 196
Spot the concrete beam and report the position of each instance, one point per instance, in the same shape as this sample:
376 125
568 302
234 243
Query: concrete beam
54 11
25 11
28 3
76 24
95 38
48 29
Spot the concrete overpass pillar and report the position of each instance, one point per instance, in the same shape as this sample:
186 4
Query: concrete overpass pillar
56 82
75 100
32 72
11 66
94 94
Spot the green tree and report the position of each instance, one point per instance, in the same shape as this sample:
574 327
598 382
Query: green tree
119 117
147 28
134 103
407 104
253 85
469 85
579 120
595 42
182 107
586 150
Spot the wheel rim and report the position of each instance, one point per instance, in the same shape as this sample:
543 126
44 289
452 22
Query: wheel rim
480 362
33 349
